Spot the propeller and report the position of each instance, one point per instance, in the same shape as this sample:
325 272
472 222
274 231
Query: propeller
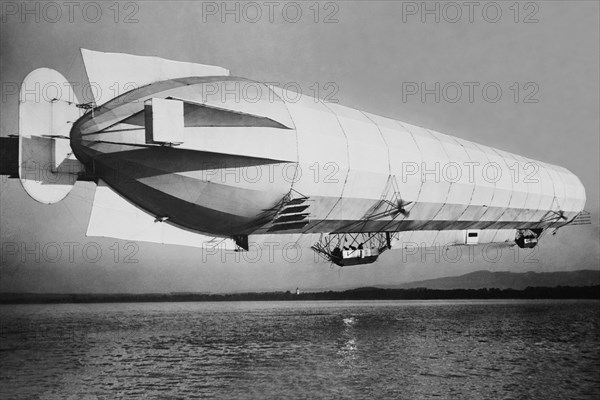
402 207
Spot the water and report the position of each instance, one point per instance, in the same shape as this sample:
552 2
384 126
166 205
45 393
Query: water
392 349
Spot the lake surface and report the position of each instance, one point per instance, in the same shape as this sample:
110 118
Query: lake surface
247 350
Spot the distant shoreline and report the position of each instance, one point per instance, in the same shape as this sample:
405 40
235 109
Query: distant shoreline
369 293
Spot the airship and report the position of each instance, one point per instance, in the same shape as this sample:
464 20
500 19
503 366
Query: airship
186 154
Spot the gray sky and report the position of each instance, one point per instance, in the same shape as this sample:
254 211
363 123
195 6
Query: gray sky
372 49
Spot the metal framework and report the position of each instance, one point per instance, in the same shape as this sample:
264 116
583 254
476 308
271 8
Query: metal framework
345 249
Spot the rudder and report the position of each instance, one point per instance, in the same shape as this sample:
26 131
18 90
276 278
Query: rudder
47 109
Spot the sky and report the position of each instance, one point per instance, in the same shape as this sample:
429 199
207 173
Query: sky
364 54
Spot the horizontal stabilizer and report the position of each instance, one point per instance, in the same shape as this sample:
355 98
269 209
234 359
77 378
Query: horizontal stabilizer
114 216
113 74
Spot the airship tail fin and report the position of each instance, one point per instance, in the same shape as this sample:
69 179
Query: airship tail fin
114 216
47 167
113 74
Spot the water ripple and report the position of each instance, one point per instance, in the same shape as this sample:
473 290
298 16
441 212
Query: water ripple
396 349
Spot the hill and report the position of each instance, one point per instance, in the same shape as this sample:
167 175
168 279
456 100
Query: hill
508 280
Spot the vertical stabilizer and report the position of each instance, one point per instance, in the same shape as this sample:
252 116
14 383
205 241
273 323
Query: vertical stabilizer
113 74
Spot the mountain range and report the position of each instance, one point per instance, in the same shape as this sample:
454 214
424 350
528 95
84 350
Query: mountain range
507 280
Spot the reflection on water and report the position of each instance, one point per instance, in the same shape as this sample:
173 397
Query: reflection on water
396 349
348 349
